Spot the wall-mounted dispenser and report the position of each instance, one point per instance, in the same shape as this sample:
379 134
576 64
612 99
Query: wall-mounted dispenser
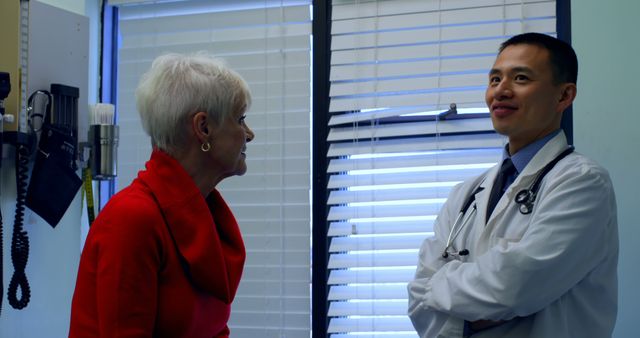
99 154
103 139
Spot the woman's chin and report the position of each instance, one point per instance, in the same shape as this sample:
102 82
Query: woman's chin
241 169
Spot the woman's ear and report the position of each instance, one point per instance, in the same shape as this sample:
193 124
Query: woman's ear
200 126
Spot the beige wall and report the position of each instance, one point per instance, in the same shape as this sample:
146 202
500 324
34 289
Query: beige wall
606 121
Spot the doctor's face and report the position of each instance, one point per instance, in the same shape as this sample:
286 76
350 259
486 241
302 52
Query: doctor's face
525 102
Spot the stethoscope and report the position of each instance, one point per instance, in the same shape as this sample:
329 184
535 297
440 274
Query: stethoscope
461 220
525 198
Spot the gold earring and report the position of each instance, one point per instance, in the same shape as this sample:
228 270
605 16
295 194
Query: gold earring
205 147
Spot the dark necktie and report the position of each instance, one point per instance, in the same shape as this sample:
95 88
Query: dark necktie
507 169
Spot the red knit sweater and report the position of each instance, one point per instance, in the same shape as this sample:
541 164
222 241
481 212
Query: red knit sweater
159 261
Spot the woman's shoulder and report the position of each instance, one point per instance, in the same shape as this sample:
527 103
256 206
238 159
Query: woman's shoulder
130 228
131 209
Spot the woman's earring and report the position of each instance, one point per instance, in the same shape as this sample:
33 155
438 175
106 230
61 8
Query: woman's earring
205 147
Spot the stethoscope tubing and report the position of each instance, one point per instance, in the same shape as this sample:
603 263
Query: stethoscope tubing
462 219
525 198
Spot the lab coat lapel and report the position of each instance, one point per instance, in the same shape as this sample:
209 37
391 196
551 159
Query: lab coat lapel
524 180
482 198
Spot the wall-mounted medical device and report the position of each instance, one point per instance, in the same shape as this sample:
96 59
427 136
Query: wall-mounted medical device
54 170
5 89
45 51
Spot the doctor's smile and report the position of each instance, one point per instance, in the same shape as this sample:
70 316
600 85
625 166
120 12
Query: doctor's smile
501 110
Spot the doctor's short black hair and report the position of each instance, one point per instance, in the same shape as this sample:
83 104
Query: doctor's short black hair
564 61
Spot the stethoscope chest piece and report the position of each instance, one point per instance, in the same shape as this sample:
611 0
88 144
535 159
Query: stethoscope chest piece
525 198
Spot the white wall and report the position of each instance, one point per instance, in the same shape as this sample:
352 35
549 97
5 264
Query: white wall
606 120
75 6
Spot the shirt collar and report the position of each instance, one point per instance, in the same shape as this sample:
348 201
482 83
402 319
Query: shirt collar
524 155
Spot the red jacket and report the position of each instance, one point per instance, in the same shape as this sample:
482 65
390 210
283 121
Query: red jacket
159 261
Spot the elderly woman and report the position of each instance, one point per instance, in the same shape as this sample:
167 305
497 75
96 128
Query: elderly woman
165 256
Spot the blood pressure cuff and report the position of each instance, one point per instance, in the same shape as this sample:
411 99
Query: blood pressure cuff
54 182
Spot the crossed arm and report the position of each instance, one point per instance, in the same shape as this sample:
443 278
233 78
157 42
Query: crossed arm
516 277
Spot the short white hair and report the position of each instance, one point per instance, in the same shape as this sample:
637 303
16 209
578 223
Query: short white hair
177 86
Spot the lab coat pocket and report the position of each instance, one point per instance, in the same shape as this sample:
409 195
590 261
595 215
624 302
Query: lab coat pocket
509 232
504 242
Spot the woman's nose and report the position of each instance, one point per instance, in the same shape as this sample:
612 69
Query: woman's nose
250 134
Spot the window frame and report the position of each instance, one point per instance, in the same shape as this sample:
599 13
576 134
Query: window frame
108 91
320 95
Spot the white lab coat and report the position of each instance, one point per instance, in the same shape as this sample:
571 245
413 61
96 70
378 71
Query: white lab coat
550 274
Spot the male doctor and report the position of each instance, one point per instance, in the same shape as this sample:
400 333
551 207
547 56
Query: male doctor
542 268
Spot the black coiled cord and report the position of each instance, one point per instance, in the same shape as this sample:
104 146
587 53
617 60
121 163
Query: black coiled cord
19 240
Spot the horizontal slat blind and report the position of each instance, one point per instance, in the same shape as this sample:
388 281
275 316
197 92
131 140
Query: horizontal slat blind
393 157
268 43
422 53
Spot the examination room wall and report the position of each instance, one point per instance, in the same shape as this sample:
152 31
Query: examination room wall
606 121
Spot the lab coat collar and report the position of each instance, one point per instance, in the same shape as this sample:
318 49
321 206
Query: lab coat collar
524 155
545 155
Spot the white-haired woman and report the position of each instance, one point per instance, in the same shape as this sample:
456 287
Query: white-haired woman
165 256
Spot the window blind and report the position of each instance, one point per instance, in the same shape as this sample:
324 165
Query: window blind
397 147
268 43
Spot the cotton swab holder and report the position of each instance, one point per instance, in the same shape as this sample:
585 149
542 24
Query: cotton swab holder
103 137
